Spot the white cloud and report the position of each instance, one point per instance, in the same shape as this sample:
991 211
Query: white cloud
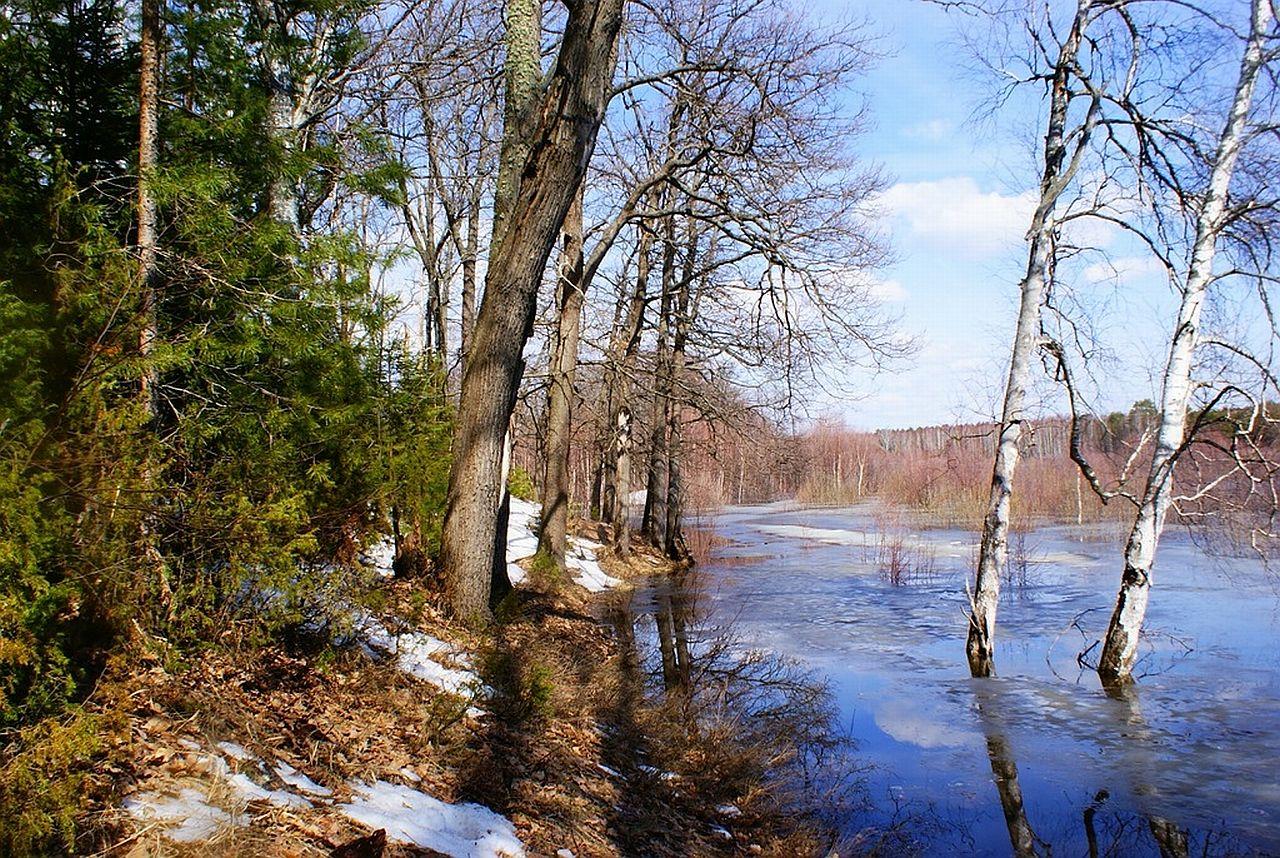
1123 268
932 130
955 216
888 291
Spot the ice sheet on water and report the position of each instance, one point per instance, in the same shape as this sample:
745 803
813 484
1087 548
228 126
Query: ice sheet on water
413 817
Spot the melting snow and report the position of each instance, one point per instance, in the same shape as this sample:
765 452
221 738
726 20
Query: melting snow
298 780
580 556
413 653
251 791
235 752
189 812
410 816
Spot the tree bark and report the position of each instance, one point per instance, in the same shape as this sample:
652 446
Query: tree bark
1120 649
564 361
561 142
994 550
673 535
623 352
654 523
148 159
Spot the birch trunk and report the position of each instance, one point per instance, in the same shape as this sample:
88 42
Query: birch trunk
1120 649
562 136
564 362
148 158
994 550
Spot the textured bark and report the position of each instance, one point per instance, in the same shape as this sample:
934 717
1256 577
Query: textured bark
562 138
673 536
994 550
654 523
469 257
623 351
1120 649
570 294
148 159
522 71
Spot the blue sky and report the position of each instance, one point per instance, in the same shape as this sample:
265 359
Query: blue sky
957 208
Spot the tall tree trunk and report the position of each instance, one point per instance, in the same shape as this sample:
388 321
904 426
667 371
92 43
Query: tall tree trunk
623 352
469 258
148 159
564 362
994 550
562 139
523 78
673 536
653 524
1120 649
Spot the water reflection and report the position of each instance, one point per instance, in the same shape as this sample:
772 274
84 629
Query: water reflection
942 764
1004 771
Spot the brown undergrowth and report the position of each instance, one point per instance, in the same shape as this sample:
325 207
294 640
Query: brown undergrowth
570 747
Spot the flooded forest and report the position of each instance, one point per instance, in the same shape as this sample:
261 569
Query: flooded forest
495 428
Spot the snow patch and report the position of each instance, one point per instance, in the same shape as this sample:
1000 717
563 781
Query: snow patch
580 554
413 653
235 752
413 817
189 813
251 791
299 781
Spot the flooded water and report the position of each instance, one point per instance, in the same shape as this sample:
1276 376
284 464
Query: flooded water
1038 760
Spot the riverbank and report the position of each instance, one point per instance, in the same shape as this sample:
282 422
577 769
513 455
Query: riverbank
538 737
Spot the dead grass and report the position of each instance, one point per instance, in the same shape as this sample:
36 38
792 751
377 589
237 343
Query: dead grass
565 716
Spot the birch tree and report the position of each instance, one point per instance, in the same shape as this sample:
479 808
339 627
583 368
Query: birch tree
1212 215
1065 144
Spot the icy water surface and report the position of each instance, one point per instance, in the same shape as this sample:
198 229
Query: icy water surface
1038 758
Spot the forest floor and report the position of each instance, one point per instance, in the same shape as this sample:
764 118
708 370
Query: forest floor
554 749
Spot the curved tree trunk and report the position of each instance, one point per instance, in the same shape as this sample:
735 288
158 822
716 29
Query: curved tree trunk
1120 649
994 549
562 136
564 362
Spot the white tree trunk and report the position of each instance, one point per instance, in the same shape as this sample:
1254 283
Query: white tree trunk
994 550
1120 649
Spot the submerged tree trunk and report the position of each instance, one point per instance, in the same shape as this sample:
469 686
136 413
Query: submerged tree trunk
564 362
994 550
1120 649
561 138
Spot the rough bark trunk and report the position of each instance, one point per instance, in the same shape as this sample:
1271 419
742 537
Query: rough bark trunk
564 362
654 523
469 259
522 72
994 550
623 352
673 541
562 139
1120 649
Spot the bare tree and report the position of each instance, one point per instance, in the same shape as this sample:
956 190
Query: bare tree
560 396
1064 148
559 138
1213 214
